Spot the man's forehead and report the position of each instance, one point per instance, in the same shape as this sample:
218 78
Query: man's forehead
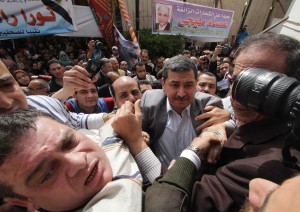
206 78
140 67
54 64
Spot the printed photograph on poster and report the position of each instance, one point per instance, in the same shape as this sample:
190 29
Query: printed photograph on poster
163 18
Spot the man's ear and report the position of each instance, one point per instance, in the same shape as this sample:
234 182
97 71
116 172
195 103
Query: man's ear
162 81
75 95
26 203
163 84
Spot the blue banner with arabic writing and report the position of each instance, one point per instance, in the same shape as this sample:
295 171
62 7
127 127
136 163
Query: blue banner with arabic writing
24 18
174 18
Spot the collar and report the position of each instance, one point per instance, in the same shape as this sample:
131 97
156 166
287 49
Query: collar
257 132
163 27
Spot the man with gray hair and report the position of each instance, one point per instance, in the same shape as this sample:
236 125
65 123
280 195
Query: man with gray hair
172 116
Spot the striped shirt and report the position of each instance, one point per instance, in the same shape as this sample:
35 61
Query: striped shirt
59 112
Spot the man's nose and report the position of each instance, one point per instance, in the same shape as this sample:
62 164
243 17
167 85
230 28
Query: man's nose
181 92
90 94
131 98
76 162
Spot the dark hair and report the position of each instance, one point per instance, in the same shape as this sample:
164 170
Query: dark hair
144 82
156 85
75 92
103 61
185 51
278 43
179 64
207 73
139 63
13 126
52 62
144 51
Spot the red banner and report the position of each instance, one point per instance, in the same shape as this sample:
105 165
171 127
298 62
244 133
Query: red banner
103 13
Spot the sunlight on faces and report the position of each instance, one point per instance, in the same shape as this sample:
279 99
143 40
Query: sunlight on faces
126 89
56 167
12 96
180 89
259 58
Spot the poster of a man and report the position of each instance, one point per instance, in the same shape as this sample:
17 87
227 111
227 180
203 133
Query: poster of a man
163 17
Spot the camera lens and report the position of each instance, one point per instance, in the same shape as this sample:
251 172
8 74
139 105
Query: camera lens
269 93
98 43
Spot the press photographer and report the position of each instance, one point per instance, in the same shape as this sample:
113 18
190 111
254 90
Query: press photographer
255 149
95 50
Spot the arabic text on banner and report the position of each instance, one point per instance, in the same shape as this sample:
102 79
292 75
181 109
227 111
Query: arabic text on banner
192 20
23 18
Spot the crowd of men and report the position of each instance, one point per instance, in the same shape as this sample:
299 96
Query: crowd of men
170 130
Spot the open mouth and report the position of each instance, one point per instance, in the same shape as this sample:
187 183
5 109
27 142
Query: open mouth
92 175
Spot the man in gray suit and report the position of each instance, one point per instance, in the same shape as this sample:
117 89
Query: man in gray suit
170 116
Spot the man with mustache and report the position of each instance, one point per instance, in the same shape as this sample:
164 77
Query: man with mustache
171 116
254 149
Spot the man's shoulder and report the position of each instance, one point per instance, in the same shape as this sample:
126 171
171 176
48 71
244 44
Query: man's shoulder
200 95
153 97
41 100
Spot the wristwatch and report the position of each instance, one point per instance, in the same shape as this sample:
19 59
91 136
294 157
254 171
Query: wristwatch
198 151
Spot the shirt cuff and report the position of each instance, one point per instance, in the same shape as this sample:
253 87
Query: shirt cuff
148 164
192 156
95 121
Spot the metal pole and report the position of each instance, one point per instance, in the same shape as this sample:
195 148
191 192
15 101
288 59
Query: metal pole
274 25
246 13
137 15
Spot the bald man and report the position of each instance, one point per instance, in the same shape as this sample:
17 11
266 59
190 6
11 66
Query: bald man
38 87
125 89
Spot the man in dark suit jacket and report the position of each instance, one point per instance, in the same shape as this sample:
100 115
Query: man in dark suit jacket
169 115
254 150
165 28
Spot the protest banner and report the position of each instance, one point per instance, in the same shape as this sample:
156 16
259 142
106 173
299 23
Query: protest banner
24 18
181 18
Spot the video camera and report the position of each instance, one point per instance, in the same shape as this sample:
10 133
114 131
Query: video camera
98 44
92 67
275 95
